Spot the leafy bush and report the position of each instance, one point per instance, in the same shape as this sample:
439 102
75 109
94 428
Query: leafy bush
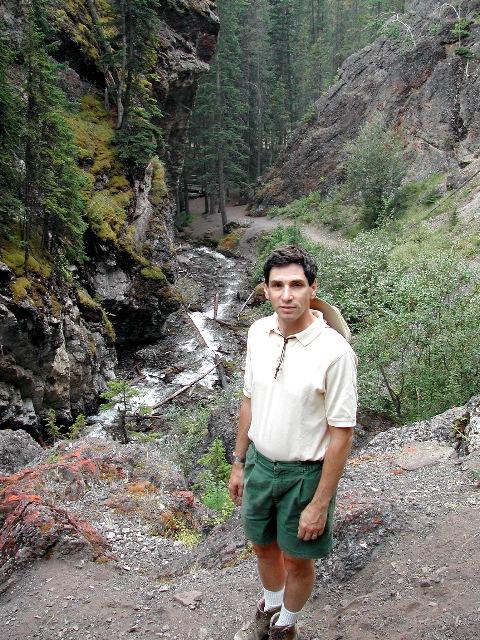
189 428
375 169
414 321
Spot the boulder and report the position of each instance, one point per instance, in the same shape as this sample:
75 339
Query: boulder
17 449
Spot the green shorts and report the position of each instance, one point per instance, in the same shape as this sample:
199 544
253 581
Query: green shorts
274 496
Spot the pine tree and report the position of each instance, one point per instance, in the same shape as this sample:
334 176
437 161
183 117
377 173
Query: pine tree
10 123
131 53
53 184
274 59
218 125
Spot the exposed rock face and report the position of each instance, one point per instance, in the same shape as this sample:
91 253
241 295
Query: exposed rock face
57 344
139 300
425 87
17 449
53 357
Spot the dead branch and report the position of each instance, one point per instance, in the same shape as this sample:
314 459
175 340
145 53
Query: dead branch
195 328
177 393
245 304
234 327
139 372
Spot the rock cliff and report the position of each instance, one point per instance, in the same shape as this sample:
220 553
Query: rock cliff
58 336
421 74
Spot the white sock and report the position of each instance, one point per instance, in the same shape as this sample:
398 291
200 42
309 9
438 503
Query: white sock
273 599
286 618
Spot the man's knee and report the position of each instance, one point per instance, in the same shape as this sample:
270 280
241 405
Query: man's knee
267 551
298 566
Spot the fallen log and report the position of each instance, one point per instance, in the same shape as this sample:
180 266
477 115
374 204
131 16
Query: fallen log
195 328
221 372
139 371
245 304
234 327
183 389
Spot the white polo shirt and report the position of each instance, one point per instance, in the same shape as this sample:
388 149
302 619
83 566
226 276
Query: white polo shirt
316 385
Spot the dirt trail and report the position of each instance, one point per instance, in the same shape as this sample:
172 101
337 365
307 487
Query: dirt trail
210 225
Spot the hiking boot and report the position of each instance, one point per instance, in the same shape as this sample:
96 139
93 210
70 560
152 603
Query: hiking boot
283 633
258 628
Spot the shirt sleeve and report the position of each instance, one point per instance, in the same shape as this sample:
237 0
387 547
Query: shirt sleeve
341 391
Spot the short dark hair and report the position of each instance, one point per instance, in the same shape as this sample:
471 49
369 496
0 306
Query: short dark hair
291 254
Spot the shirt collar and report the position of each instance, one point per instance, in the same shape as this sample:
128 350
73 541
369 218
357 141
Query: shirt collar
307 335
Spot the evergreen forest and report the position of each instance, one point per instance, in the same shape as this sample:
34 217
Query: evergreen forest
274 59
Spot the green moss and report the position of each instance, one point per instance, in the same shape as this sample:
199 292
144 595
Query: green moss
14 257
19 288
152 273
105 216
56 306
93 131
86 299
93 346
159 188
118 183
108 329
75 20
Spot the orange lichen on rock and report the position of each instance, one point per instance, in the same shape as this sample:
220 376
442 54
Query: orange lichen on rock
31 528
140 487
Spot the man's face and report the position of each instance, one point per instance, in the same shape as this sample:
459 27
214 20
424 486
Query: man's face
290 294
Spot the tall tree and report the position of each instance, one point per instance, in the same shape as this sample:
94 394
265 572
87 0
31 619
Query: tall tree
52 195
275 58
218 125
132 53
10 124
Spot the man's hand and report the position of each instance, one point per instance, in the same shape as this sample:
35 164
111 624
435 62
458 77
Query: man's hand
235 484
313 518
312 522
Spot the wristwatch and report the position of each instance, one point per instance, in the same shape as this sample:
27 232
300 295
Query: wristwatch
236 458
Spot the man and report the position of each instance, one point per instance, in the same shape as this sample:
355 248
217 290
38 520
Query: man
294 436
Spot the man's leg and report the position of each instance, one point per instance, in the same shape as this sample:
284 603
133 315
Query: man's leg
278 569
272 573
271 566
299 582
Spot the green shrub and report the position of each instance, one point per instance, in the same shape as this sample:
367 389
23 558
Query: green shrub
214 480
374 167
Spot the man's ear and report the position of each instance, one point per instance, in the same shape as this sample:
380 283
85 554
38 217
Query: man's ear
314 287
265 288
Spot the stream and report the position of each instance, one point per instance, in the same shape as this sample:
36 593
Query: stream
191 337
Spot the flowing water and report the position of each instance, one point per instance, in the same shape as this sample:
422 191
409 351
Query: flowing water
192 336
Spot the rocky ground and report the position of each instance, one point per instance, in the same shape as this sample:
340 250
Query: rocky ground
125 564
405 565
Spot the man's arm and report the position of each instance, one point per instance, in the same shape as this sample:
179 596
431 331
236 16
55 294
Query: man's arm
313 517
235 485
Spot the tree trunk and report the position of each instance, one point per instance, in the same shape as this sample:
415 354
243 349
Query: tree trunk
121 80
185 195
178 205
220 156
205 198
213 201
